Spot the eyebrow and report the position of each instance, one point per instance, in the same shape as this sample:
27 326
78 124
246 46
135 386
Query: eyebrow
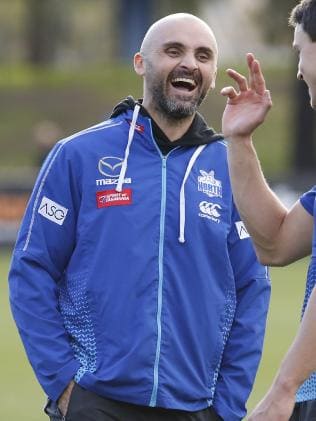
180 45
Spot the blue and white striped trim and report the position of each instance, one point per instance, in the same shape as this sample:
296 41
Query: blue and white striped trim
223 142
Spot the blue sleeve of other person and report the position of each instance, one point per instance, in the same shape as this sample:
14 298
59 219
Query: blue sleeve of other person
307 200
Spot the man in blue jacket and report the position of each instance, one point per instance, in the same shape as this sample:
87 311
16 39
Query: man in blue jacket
134 284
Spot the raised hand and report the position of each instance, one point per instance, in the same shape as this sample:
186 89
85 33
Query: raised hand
245 109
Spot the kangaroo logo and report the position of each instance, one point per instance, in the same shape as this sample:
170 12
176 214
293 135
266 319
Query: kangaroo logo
208 184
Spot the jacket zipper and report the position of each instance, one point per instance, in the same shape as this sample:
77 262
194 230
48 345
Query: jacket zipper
153 399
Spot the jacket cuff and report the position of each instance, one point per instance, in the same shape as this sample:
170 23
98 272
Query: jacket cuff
62 379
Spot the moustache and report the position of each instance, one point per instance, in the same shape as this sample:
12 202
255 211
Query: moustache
182 73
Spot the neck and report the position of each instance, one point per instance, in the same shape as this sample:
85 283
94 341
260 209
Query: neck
173 128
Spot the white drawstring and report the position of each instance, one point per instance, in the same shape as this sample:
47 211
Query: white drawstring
130 138
186 175
182 194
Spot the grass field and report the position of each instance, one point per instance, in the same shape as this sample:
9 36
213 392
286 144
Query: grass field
20 396
22 399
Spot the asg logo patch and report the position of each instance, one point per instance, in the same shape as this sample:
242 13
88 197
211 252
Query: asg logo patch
52 211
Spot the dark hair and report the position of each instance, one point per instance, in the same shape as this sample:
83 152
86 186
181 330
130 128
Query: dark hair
304 14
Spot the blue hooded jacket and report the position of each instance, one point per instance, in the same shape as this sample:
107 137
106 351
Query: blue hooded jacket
133 274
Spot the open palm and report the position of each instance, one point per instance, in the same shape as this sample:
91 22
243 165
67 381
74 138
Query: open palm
246 109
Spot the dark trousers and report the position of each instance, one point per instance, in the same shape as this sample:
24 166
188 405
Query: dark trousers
304 411
88 406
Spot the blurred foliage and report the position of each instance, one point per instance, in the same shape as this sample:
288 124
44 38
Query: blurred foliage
61 32
71 32
75 100
71 100
85 81
45 28
272 18
165 7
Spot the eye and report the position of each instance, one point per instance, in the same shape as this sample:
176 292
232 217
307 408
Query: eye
203 57
173 52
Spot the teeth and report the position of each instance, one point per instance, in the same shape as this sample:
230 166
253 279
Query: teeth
182 79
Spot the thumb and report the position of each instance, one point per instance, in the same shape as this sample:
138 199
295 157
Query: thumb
229 92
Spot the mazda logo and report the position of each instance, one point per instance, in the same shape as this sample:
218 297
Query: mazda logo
110 166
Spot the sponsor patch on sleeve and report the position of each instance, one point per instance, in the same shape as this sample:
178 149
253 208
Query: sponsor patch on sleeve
52 210
241 229
108 198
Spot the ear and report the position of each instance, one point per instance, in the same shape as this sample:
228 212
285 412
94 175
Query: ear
139 64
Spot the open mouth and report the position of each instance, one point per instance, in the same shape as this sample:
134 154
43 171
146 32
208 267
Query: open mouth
183 83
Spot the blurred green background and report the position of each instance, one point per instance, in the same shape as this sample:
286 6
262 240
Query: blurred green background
64 65
75 100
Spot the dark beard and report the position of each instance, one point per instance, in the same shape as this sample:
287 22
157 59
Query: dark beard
172 108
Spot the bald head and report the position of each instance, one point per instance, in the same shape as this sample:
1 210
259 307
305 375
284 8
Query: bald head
183 24
178 64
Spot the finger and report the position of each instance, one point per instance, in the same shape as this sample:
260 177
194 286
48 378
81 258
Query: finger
239 78
230 92
267 95
250 60
258 78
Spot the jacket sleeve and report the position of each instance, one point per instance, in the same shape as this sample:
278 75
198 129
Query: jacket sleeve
44 245
243 348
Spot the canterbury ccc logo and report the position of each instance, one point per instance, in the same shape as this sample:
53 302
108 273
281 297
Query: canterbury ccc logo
210 209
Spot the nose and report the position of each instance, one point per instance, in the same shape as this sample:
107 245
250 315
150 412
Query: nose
189 61
299 73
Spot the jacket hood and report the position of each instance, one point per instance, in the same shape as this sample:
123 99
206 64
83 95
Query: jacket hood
199 132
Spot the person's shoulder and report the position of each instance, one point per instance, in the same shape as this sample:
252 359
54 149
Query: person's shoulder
310 194
218 146
222 142
312 190
219 141
95 132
